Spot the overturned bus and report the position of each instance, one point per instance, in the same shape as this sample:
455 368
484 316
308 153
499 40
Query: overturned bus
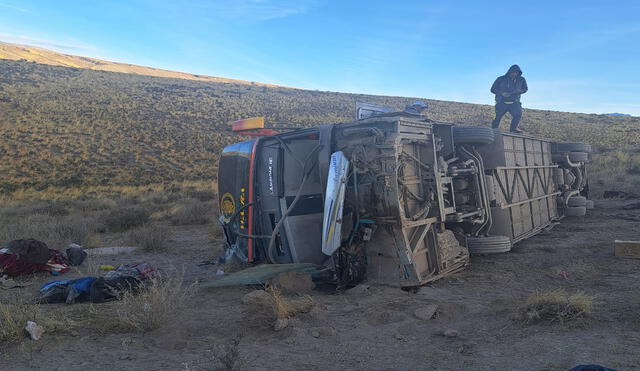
392 196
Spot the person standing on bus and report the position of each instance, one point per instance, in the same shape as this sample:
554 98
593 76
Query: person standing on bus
508 89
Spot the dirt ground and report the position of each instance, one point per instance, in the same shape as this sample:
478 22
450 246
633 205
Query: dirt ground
376 329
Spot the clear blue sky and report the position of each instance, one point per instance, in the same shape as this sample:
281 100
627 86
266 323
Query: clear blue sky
580 56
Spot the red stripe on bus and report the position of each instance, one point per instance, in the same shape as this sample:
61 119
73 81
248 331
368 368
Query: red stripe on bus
250 216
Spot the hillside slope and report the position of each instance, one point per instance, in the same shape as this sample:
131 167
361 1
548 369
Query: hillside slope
66 127
43 56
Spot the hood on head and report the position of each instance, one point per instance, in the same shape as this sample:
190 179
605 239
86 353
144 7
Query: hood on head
514 68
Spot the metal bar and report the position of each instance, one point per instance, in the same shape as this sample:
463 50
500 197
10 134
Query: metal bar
544 184
449 210
470 214
538 177
524 167
512 191
502 187
514 135
407 223
410 181
529 187
550 183
485 201
532 232
405 153
525 183
437 177
417 237
529 200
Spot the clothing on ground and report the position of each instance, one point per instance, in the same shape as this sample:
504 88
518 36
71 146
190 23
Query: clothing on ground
66 291
30 251
12 265
97 290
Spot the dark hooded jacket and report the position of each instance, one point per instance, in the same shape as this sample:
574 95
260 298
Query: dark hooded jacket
505 84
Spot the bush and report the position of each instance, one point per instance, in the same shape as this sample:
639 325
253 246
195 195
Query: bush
94 204
191 211
271 305
158 198
151 237
92 240
55 232
202 195
615 171
123 219
51 208
151 308
227 356
557 306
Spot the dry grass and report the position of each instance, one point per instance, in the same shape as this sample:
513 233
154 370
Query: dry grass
277 306
617 170
160 198
227 356
557 306
107 194
91 222
191 211
56 232
151 237
43 56
281 307
53 208
157 303
92 240
14 317
123 219
575 271
285 307
57 223
93 204
201 194
89 267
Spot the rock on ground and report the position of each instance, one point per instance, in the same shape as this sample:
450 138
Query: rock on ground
426 312
34 330
281 324
317 332
451 333
361 289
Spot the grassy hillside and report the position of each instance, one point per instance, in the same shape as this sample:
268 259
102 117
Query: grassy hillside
32 54
67 127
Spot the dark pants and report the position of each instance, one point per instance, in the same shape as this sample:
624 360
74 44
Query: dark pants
515 109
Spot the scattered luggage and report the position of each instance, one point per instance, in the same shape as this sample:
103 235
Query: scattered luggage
21 257
115 283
